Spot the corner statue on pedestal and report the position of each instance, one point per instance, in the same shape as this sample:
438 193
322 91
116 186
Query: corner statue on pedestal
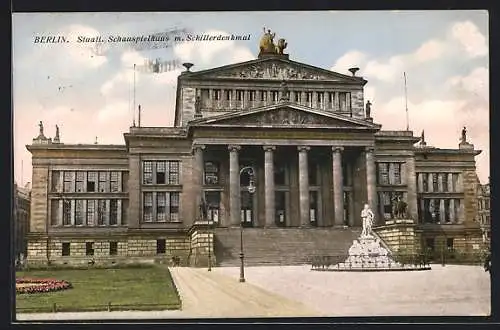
367 216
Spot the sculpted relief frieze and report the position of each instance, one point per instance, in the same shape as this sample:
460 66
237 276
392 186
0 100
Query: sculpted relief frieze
284 117
279 71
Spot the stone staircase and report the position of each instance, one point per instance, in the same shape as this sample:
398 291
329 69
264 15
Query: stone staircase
281 246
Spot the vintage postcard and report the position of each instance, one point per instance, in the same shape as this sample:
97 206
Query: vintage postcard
229 165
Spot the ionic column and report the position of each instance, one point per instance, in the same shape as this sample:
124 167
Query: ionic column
411 184
420 182
314 100
304 187
303 98
338 186
233 99
452 211
430 185
234 185
336 104
440 182
450 182
371 178
269 185
442 217
198 178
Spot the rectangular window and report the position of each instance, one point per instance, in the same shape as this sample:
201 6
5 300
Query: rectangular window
66 249
79 212
447 217
101 212
211 173
148 207
161 246
252 95
449 243
89 248
91 181
486 204
69 178
280 174
113 248
160 172
67 213
455 182
275 96
331 98
263 95
54 212
213 205
313 173
297 97
161 204
103 182
113 212
56 181
396 171
309 96
115 181
174 206
148 172
383 173
90 212
228 95
173 172
80 181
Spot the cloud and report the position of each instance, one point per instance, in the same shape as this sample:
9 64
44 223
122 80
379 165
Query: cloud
80 53
476 84
350 59
470 38
461 36
113 111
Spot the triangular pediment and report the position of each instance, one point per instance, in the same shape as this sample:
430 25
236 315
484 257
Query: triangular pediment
285 115
275 68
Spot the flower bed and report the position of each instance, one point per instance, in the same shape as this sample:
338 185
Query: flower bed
38 285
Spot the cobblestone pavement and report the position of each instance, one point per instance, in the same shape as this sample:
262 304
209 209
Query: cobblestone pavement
443 291
204 295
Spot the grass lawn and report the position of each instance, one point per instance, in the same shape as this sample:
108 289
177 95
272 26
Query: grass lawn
148 288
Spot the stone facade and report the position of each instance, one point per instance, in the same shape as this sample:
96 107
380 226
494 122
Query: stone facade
315 160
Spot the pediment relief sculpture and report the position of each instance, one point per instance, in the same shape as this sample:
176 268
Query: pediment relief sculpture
285 117
274 70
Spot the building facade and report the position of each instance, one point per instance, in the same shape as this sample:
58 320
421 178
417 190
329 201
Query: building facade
483 205
21 212
316 154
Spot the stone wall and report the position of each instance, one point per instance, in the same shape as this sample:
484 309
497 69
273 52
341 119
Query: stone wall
187 105
357 104
39 192
470 197
202 244
133 249
399 235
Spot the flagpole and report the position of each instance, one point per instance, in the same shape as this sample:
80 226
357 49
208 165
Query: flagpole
406 104
133 107
22 174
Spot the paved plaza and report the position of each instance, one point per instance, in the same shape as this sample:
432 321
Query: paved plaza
443 291
297 291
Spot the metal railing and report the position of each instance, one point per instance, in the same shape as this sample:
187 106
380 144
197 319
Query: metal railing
109 307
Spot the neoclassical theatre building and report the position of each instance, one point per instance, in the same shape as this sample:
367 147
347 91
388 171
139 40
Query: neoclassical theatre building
316 155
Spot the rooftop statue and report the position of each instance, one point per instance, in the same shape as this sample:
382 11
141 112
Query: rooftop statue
267 45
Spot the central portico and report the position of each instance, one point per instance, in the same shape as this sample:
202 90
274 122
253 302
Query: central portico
313 168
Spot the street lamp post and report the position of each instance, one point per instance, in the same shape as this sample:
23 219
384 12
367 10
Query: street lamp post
251 190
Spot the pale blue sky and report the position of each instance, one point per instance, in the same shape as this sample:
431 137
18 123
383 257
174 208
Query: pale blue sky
444 53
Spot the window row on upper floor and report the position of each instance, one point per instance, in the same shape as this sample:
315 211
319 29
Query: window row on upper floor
88 181
439 182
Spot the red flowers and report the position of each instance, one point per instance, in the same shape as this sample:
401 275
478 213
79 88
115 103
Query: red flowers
37 285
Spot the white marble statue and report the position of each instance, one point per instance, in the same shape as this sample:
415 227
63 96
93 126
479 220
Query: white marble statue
367 216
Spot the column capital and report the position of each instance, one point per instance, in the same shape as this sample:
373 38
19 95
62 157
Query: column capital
198 146
234 147
269 148
337 149
370 149
303 148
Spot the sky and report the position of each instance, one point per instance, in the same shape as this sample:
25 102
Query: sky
88 94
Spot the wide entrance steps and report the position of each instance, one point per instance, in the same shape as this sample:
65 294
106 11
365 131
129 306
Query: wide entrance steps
281 246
